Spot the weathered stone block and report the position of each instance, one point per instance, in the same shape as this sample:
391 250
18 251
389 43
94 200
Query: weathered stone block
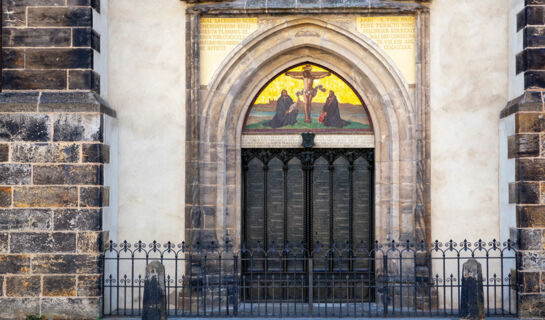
529 122
77 127
45 197
27 242
528 101
18 308
81 37
95 4
89 242
77 308
36 37
534 36
532 59
84 80
534 79
530 169
63 17
524 192
531 216
62 264
23 286
3 242
13 58
96 152
4 152
1 286
25 219
79 2
14 264
19 101
532 305
45 152
89 285
529 281
24 127
529 239
39 3
74 102
78 219
5 197
531 260
15 174
59 286
34 79
81 58
94 197
95 40
535 15
68 174
14 13
523 145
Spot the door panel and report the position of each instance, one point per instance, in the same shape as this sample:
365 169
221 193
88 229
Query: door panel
302 203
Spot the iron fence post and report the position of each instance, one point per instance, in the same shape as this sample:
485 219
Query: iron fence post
385 283
236 286
310 285
102 280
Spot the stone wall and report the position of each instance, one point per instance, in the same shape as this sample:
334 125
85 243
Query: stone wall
52 158
527 148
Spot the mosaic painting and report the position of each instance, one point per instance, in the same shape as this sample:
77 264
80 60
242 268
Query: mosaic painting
307 98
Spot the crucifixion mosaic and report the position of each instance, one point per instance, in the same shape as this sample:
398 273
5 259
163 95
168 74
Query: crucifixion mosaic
307 98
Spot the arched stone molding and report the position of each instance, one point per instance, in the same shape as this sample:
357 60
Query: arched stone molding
216 118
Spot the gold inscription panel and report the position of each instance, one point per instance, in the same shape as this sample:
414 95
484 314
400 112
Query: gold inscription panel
217 38
396 35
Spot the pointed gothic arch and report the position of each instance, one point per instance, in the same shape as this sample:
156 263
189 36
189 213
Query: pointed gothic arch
216 117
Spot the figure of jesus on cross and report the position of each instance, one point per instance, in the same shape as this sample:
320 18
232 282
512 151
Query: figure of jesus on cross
308 92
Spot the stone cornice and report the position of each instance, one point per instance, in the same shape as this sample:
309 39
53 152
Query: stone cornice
305 6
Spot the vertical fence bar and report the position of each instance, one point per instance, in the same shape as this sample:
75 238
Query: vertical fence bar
310 285
183 295
103 277
487 284
415 282
175 283
190 283
385 283
220 284
236 286
444 284
117 284
502 281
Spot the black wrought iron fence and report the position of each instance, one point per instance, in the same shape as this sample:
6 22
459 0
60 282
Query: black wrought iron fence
394 279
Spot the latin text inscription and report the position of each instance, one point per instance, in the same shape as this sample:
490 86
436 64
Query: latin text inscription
218 37
396 35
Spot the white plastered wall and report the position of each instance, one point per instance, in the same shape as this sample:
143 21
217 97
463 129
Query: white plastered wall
146 86
469 86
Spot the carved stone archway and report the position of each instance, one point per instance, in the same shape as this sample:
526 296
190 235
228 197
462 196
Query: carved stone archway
216 116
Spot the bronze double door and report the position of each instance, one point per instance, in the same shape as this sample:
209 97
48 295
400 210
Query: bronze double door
299 203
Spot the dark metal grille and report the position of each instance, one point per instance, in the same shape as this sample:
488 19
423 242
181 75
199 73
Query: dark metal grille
408 280
306 196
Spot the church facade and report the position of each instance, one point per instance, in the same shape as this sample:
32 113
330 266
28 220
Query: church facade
264 125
